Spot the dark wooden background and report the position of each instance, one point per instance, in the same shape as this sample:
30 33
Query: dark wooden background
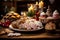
22 5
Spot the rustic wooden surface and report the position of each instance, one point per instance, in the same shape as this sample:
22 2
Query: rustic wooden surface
38 35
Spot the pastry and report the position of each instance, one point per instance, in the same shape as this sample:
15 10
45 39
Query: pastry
2 32
42 14
8 31
18 16
49 19
13 17
50 26
55 14
14 24
29 24
15 13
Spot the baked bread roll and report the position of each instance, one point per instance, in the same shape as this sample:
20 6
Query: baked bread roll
14 24
50 26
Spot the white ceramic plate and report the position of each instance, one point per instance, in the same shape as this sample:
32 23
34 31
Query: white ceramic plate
11 27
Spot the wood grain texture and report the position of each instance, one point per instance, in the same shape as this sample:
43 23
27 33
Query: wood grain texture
38 35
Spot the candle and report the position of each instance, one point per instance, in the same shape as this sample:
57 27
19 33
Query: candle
24 13
41 4
31 8
37 3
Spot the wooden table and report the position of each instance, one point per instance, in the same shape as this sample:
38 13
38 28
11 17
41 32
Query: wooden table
35 35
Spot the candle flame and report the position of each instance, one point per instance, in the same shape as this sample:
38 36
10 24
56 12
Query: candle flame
41 4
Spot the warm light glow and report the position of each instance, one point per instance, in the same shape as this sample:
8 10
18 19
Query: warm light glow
41 4
37 3
24 13
31 8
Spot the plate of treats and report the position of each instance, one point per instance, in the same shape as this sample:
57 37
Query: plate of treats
26 25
